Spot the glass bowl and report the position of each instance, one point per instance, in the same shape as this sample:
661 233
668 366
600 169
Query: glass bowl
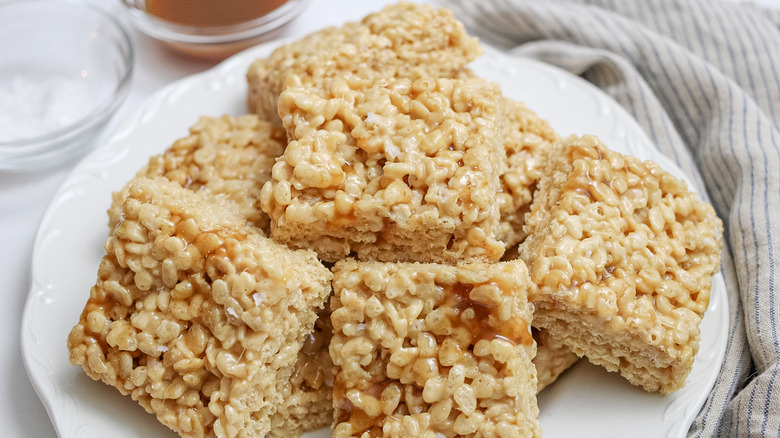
65 68
209 28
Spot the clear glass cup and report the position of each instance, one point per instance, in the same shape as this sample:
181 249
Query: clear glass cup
65 67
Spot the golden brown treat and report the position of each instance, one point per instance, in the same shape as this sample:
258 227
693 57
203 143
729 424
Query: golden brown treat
433 351
621 255
404 40
308 399
527 141
231 157
401 171
552 358
196 315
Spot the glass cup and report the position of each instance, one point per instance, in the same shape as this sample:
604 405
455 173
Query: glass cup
214 29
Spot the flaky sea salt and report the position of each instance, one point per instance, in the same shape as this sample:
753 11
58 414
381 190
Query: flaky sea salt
258 298
30 108
392 150
373 118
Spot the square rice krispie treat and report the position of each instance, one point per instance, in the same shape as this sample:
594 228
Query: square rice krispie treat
433 351
231 157
399 171
621 256
404 40
308 399
528 138
196 315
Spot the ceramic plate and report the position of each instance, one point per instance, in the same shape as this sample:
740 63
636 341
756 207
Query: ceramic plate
586 401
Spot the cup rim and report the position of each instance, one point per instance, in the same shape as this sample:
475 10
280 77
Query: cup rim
177 33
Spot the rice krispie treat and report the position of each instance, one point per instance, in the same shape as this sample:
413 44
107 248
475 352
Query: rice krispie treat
404 40
432 351
621 256
528 137
400 171
231 157
196 315
308 399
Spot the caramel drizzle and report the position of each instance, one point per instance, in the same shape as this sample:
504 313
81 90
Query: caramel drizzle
485 325
347 412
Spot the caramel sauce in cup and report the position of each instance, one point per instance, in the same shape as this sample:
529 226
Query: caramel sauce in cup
207 13
209 28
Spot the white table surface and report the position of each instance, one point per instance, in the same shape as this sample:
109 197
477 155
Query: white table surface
24 198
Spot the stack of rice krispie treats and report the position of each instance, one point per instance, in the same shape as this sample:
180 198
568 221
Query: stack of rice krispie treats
389 246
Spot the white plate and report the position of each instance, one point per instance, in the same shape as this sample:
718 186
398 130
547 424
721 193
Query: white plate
586 401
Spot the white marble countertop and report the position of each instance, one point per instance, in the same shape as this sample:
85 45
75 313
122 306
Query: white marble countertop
24 198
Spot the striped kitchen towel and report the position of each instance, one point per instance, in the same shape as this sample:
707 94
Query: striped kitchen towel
702 78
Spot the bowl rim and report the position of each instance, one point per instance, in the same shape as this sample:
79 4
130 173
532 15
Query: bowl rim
49 141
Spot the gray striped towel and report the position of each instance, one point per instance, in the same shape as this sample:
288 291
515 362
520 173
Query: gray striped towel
702 78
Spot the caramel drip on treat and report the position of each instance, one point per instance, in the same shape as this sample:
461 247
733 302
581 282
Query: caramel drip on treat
315 368
484 325
347 412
